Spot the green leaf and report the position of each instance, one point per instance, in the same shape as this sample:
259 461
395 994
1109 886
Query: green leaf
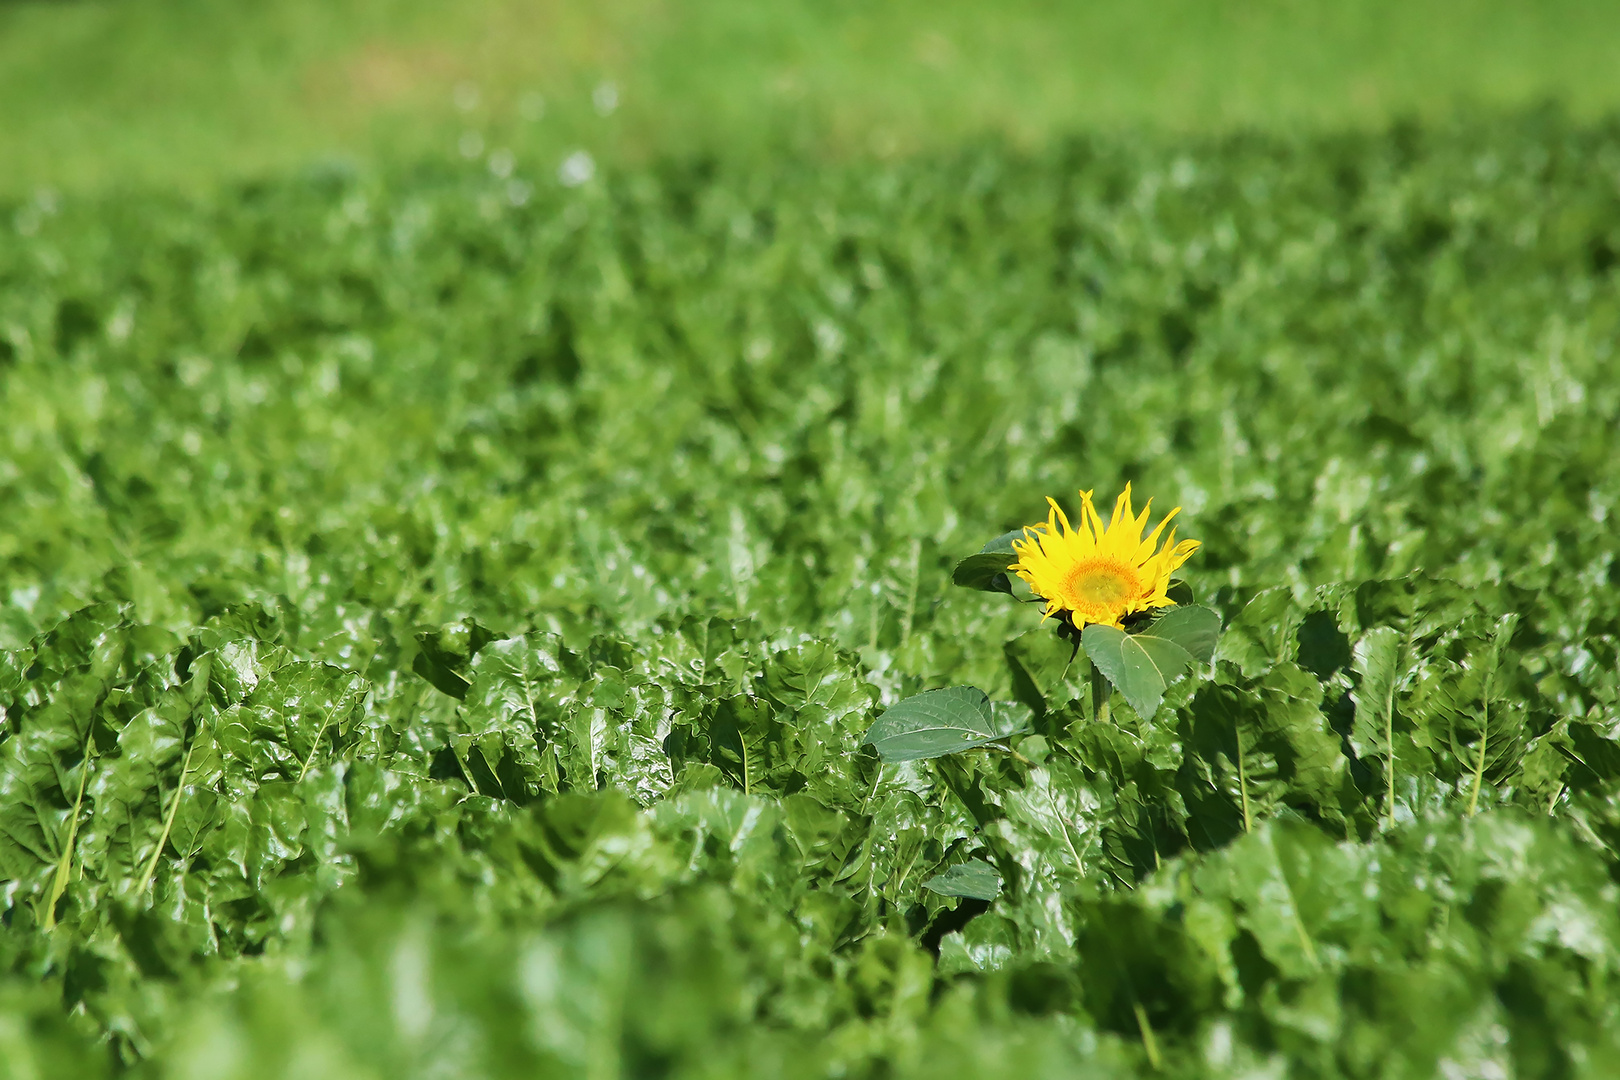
934 723
1376 663
987 573
1261 633
1265 746
1050 823
1048 671
446 653
974 879
1010 718
1196 629
1140 666
987 569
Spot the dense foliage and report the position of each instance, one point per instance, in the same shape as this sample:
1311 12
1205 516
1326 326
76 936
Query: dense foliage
440 615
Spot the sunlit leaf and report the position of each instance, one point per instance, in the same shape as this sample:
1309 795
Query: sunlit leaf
934 723
974 879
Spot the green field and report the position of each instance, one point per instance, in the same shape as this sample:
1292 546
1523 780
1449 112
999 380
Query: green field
443 608
185 93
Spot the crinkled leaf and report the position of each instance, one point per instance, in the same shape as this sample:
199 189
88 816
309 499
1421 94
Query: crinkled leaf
974 879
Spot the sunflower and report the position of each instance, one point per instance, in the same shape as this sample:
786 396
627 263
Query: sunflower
1100 574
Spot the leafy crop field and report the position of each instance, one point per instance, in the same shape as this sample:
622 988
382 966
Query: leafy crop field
442 615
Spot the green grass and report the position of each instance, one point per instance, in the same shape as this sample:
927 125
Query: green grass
108 93
441 614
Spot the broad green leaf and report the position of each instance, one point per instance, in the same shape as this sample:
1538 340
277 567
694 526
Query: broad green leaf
974 879
1376 658
444 654
1268 745
1261 634
985 572
1050 824
934 723
1140 666
520 683
1195 629
1048 672
987 569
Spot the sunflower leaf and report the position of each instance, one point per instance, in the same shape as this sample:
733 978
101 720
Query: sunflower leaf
986 569
1140 666
933 724
1194 628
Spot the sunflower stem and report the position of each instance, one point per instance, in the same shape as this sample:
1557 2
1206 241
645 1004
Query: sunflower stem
1100 691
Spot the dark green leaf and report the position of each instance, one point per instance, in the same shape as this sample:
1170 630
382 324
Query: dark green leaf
445 654
987 569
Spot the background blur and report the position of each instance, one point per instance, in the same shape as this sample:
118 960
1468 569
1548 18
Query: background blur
189 92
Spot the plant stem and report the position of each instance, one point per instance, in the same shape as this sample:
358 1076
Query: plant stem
65 864
315 746
1008 750
911 596
1484 737
1389 746
1101 690
1149 1043
168 821
1243 781
1479 766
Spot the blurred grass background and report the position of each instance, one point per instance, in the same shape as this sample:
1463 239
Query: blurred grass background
185 93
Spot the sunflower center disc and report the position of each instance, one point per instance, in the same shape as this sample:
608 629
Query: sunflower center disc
1100 586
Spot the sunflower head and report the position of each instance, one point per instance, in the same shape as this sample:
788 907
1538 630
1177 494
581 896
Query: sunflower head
1100 573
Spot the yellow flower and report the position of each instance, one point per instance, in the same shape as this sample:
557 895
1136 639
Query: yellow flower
1098 574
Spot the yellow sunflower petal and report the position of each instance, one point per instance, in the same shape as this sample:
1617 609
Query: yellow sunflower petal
1122 508
1091 519
1099 573
1144 550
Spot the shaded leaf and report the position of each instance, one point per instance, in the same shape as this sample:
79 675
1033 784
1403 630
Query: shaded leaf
986 570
